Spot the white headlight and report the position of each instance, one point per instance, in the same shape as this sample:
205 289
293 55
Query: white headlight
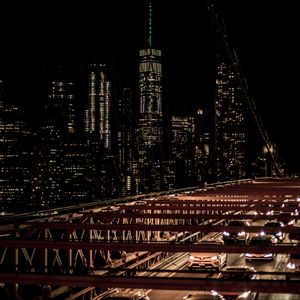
291 266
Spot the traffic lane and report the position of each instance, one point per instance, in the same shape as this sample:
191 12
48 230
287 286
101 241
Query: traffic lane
233 259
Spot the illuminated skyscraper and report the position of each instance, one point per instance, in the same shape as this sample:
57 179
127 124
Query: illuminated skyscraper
57 123
150 92
97 115
97 126
150 123
183 150
61 96
230 130
60 154
203 145
48 172
124 140
15 153
76 184
150 82
229 140
1 94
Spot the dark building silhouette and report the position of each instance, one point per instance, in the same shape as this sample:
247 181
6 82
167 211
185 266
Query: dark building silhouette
15 152
125 142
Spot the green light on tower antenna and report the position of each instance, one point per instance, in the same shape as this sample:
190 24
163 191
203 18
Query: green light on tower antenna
150 25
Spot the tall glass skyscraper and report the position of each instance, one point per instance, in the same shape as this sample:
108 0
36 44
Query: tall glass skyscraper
150 122
229 143
230 130
150 93
97 115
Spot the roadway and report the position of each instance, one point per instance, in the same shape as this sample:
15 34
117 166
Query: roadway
72 239
278 264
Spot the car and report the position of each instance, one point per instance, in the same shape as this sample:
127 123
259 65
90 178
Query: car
238 272
291 206
207 260
274 228
287 218
267 207
248 295
293 266
236 237
294 237
205 295
260 240
127 295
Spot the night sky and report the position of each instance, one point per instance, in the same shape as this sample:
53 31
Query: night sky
39 38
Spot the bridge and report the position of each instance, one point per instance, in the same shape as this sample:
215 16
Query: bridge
125 243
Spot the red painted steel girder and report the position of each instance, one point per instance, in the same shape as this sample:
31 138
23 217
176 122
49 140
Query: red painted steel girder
145 227
208 207
221 195
196 215
199 202
161 283
147 246
199 199
251 191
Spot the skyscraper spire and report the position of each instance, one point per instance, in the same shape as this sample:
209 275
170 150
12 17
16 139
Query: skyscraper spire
150 24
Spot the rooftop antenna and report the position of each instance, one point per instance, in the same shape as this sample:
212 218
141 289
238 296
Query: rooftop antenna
150 24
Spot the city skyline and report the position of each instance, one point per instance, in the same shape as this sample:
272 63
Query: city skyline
66 39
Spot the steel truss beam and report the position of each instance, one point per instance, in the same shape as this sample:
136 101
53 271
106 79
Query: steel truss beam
69 227
165 283
147 246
